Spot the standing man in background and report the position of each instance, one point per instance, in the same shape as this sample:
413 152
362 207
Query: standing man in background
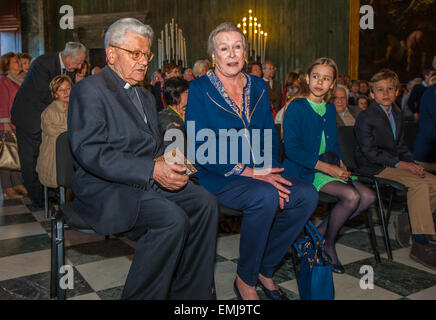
32 98
274 87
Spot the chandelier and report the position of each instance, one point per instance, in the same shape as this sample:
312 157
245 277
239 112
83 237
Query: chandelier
256 37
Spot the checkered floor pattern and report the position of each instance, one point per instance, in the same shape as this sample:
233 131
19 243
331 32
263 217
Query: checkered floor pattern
101 266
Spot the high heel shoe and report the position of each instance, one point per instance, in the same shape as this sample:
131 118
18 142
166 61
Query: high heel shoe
235 288
337 267
273 294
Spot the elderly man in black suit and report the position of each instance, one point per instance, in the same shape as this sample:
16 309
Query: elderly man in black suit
119 187
31 100
346 115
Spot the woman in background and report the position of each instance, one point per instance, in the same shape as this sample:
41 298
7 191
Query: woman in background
53 123
25 60
10 81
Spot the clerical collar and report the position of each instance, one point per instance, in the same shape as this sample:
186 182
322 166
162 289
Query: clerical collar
123 83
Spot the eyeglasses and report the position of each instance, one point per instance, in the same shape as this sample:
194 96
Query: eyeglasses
138 54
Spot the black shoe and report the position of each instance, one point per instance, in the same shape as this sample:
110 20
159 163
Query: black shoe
273 294
337 267
238 294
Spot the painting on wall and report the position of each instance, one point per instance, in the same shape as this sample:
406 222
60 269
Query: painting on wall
403 38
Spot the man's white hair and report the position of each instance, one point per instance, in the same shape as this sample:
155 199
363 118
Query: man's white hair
347 92
116 32
73 49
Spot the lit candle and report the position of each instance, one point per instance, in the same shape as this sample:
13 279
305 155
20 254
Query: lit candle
162 39
260 46
264 46
177 43
172 40
166 41
180 45
184 52
255 44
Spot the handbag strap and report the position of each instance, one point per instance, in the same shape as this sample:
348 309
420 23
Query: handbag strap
315 235
317 239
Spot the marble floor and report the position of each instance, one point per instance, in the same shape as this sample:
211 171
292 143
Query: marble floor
101 266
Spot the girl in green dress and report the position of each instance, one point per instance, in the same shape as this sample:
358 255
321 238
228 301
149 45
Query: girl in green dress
309 130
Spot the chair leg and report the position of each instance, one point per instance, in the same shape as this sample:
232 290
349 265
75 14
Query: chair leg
383 221
372 236
46 202
60 257
388 213
53 263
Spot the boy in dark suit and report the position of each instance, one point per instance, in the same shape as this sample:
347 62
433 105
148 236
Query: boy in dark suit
381 151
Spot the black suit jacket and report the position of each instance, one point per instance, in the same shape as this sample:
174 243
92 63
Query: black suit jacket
113 150
34 95
376 147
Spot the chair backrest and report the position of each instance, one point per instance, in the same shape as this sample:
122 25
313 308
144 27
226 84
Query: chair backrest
64 161
410 132
347 144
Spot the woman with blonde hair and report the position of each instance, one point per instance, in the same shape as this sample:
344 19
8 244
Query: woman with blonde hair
53 123
227 100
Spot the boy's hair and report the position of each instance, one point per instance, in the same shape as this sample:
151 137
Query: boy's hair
384 74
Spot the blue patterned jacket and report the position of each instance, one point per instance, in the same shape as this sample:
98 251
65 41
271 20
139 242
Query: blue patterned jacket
215 116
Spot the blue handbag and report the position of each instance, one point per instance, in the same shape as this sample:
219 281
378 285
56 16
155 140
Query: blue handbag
315 279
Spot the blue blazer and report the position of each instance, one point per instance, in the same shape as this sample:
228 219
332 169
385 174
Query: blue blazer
425 142
208 110
302 131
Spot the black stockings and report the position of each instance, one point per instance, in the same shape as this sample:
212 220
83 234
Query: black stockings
352 202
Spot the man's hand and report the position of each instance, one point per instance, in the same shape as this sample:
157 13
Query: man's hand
416 116
170 176
272 175
414 168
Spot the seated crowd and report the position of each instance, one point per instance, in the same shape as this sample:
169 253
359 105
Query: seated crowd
117 122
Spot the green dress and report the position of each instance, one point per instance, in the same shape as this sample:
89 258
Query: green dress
321 179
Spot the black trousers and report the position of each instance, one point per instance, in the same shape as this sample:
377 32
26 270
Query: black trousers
28 150
176 236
